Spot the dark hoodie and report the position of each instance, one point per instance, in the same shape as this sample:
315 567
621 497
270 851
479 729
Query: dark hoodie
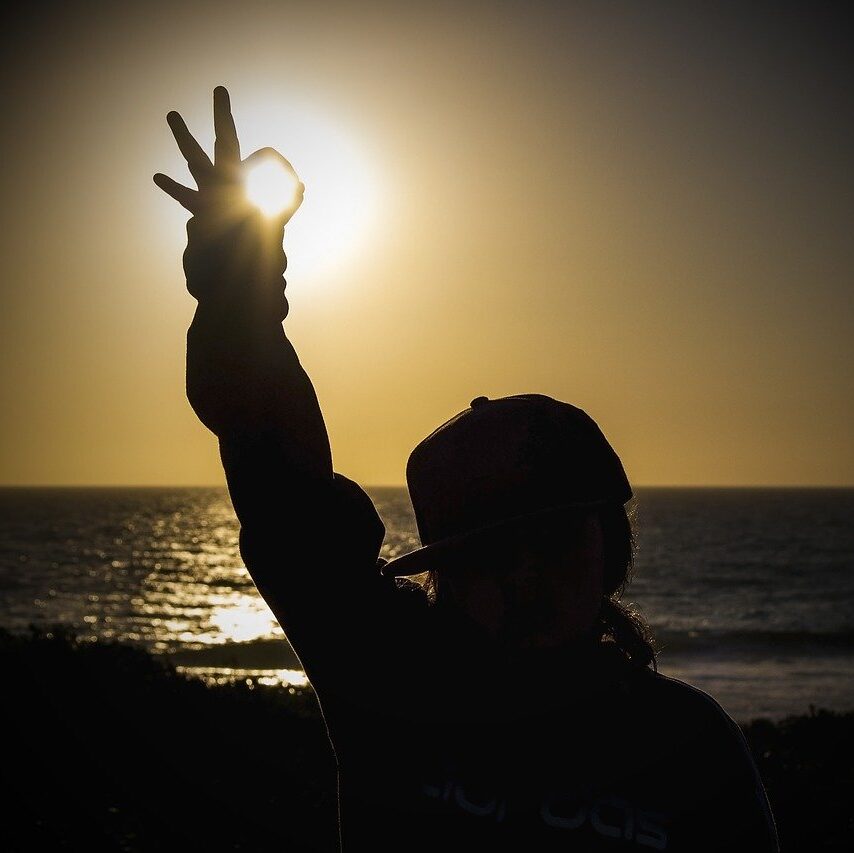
443 742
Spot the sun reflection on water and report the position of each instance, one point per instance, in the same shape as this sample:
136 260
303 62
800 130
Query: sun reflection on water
243 619
217 675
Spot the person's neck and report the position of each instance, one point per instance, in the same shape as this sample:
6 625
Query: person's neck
574 652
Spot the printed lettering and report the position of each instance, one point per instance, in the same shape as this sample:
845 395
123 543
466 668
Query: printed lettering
480 809
650 832
622 829
609 816
550 813
437 792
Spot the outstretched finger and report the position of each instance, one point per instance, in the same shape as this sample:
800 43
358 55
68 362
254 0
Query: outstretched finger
198 161
183 195
227 145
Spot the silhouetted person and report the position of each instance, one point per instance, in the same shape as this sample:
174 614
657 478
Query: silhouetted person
512 703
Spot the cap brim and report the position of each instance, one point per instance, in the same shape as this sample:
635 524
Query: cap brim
432 556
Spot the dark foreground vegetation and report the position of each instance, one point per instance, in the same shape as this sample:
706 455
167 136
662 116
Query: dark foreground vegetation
107 748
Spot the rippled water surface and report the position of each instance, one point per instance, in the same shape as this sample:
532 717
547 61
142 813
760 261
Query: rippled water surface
751 591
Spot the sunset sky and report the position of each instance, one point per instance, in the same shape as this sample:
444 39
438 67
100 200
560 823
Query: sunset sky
644 209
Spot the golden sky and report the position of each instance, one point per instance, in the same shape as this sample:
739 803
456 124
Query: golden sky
642 209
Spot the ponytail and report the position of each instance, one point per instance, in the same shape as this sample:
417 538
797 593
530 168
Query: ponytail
626 628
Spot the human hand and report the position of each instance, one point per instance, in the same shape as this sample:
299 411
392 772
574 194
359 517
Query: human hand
231 243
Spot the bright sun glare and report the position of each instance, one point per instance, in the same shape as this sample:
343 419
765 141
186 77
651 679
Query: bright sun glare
339 212
271 187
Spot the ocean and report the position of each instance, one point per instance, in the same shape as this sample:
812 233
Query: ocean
750 591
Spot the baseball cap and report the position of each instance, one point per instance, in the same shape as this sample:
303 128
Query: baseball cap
505 462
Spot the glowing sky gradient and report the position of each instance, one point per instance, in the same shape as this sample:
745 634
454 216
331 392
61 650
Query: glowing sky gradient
643 209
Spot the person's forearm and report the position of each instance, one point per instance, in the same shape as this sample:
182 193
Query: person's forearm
244 378
246 384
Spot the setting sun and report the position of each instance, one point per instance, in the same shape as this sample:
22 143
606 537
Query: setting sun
271 187
343 186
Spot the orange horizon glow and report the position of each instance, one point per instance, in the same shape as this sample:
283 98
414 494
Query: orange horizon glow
648 221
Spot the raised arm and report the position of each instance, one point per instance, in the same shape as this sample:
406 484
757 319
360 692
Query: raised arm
244 379
309 537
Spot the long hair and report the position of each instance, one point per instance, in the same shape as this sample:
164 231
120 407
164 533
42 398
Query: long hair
616 622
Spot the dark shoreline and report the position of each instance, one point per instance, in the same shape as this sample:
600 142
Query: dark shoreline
115 750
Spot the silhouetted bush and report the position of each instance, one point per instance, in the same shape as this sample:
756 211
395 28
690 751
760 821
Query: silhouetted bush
108 748
117 751
807 765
